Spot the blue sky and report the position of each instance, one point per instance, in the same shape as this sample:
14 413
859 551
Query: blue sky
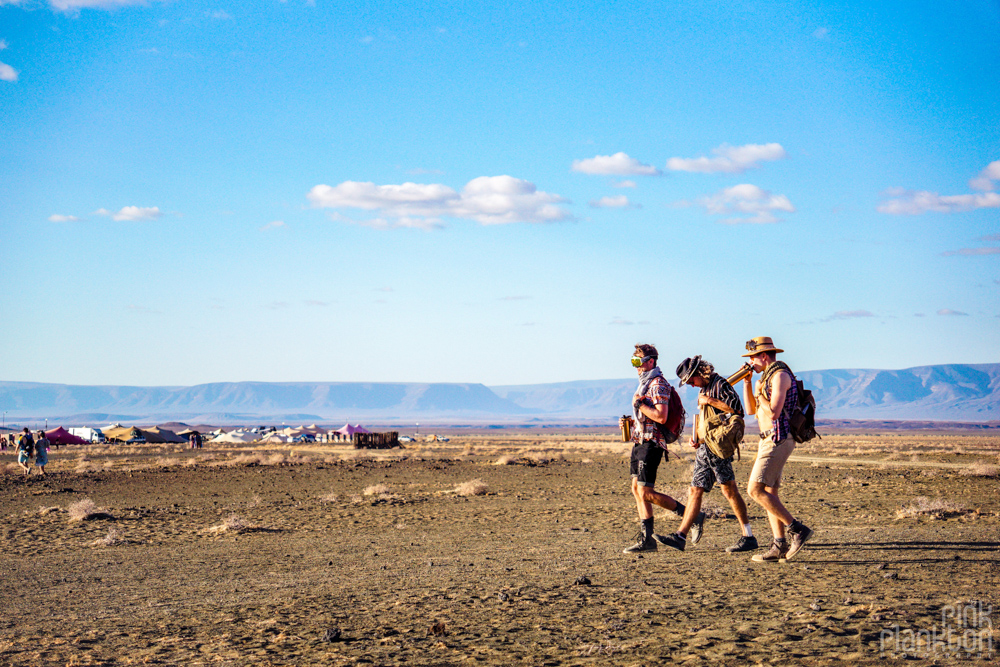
501 193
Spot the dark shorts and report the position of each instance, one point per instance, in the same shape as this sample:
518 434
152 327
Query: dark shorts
646 457
709 469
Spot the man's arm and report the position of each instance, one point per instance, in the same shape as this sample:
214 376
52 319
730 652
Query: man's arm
721 406
748 397
780 384
657 412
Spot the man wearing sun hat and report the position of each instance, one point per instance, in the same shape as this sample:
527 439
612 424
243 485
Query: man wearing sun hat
772 400
709 468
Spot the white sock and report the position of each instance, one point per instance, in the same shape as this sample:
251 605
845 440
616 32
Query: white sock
747 530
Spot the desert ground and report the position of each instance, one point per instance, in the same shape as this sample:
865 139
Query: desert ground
504 549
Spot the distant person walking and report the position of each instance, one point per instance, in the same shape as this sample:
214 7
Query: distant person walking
773 399
649 409
42 452
25 450
708 467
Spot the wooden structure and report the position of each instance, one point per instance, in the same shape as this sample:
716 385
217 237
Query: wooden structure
376 440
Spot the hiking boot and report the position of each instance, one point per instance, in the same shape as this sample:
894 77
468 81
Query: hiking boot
697 528
776 554
744 544
797 539
673 540
643 543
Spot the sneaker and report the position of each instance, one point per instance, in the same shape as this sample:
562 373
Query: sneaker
744 544
673 540
776 554
696 528
797 540
643 543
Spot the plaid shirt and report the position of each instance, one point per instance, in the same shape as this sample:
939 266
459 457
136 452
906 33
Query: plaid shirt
782 426
658 392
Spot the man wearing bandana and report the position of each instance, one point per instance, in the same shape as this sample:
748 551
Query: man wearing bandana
649 409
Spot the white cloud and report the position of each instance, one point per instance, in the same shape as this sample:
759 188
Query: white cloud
8 73
989 237
907 202
623 184
488 200
131 213
949 311
618 164
729 159
55 217
221 15
273 225
72 5
821 33
971 252
850 314
3 42
751 203
621 201
984 181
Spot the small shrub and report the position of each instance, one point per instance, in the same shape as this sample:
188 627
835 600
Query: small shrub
476 487
981 469
82 509
329 498
937 508
236 523
504 460
376 490
115 536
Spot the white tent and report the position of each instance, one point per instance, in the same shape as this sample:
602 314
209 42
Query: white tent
235 436
276 438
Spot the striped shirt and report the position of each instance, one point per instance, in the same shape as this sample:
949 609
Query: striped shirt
721 390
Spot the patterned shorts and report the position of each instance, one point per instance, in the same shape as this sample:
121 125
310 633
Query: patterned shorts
709 469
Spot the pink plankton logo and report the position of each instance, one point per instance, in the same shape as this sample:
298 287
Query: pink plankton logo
966 631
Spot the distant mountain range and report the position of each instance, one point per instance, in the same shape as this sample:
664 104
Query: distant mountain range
955 392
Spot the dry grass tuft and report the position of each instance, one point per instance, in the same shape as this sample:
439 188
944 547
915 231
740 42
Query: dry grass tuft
937 508
114 537
233 523
43 510
505 460
476 487
329 498
377 490
82 509
981 469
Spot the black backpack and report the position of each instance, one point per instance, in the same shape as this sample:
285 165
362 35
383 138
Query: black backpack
28 444
803 416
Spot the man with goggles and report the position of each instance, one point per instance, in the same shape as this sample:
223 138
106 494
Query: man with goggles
649 408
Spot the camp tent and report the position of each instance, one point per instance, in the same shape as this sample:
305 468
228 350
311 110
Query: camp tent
156 434
347 431
123 433
60 436
235 436
276 438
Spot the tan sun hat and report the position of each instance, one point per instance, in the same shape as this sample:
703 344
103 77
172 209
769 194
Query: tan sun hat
760 344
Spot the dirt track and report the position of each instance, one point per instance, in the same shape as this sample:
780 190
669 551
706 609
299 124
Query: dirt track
494 575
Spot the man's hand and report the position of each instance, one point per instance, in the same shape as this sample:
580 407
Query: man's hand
703 400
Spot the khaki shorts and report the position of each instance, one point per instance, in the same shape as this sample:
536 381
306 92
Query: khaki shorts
770 462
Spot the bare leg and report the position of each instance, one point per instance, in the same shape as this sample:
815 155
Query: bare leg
732 494
693 508
777 515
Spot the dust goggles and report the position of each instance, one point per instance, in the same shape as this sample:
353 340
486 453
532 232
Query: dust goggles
639 361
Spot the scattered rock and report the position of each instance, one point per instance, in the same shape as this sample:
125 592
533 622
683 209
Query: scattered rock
815 606
503 597
582 580
891 575
438 629
330 635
